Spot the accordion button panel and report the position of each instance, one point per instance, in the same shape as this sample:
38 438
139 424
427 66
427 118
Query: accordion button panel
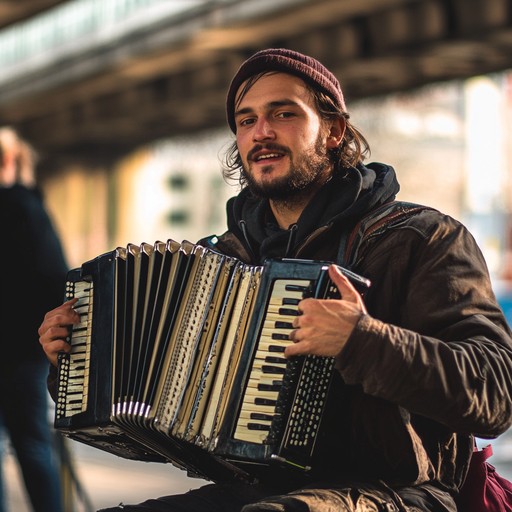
260 404
74 367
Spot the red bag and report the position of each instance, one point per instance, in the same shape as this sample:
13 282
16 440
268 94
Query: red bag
484 490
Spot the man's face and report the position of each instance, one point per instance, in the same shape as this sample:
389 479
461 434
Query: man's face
281 139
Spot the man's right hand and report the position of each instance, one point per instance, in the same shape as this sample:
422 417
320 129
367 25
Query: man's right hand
55 329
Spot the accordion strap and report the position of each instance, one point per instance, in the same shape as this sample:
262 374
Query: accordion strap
374 223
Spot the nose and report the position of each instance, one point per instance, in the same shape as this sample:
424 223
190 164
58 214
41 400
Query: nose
263 129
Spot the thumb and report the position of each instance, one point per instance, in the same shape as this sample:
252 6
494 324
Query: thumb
345 287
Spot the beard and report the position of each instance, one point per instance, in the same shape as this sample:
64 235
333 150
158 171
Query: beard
302 178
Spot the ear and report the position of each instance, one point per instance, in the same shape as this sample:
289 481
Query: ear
336 132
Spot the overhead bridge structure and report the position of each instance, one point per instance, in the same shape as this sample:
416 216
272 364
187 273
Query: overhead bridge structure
85 83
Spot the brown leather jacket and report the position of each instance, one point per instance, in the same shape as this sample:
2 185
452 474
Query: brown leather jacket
428 367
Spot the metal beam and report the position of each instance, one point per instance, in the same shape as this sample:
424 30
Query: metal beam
171 78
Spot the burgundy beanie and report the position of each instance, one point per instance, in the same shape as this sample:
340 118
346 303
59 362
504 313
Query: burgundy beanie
286 61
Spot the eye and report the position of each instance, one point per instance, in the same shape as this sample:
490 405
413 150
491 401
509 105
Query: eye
246 121
285 114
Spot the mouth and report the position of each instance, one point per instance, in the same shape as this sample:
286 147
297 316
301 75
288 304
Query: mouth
266 156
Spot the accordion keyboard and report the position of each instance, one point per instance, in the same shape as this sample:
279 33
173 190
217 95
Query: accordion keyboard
74 367
260 402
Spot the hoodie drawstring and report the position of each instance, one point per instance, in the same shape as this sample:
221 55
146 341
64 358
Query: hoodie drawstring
243 228
291 239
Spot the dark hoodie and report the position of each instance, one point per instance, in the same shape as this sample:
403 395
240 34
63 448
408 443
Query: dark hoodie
342 200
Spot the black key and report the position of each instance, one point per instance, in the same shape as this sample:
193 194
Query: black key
264 401
288 301
288 312
295 288
283 325
276 370
270 387
260 416
258 426
274 359
280 336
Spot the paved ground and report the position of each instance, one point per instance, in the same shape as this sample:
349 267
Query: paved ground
107 480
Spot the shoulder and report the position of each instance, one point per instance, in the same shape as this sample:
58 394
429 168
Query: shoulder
401 214
20 198
400 223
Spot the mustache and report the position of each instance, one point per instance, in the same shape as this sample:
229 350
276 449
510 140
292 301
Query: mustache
271 146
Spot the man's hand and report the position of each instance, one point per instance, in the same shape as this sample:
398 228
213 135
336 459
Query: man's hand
324 325
55 328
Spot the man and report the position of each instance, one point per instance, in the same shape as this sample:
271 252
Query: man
423 364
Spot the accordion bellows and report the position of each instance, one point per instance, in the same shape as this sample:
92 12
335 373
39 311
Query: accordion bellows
179 358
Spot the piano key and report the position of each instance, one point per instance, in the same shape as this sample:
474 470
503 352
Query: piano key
258 426
79 373
78 356
274 387
275 307
288 312
269 387
262 358
268 332
269 345
264 380
257 416
296 288
264 401
276 360
75 389
264 409
291 302
273 369
276 317
283 325
262 417
268 370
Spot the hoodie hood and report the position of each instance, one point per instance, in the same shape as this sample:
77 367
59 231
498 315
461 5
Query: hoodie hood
346 196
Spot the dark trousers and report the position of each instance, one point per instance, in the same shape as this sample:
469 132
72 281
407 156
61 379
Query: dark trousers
319 498
24 416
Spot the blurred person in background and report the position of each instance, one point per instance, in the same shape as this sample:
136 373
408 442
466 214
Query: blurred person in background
32 279
422 364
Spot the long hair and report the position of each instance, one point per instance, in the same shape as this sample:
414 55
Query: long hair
354 147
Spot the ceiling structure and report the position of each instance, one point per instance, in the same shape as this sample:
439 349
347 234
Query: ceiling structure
13 11
170 78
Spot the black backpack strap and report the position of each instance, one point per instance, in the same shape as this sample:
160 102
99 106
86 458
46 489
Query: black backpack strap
374 223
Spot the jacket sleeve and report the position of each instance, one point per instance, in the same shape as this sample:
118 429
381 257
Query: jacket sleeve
443 348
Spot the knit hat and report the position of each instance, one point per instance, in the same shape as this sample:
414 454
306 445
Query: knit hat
286 61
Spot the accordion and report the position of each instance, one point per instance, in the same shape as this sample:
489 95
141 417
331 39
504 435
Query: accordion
178 358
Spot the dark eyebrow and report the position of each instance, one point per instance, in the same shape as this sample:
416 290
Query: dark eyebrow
269 106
